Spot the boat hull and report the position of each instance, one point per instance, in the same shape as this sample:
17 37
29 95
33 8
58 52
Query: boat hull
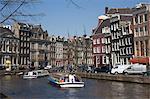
72 85
29 77
35 74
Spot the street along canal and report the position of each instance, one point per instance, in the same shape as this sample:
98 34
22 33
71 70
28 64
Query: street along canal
17 88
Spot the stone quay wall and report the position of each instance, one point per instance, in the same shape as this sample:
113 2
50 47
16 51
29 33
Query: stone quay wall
122 78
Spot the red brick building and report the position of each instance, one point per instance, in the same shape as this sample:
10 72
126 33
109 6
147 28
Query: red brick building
97 42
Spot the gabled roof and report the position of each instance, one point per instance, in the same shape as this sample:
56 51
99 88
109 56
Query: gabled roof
5 32
101 25
37 29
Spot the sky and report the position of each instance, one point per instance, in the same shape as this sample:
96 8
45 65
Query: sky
62 17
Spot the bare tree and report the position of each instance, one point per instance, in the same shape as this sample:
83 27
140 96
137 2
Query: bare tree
12 9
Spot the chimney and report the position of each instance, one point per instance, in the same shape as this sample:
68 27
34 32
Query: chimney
106 10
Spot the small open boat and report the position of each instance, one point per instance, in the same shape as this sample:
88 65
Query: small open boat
35 74
66 80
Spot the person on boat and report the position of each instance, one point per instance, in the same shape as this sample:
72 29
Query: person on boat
62 80
71 78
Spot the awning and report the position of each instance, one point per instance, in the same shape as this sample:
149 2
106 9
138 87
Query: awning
140 60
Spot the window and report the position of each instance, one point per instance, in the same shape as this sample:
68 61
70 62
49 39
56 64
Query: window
104 59
21 44
141 29
94 41
98 40
123 51
117 45
98 49
114 27
136 30
15 48
123 43
141 19
145 28
129 40
120 51
111 27
24 51
120 43
142 48
28 39
127 29
103 40
21 51
108 40
103 49
94 50
126 41
117 25
28 45
127 50
136 19
145 17
146 46
112 46
137 48
130 50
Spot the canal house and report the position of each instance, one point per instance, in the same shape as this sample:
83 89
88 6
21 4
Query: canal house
9 52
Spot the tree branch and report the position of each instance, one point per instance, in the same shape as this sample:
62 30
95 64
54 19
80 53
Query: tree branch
4 6
13 12
74 3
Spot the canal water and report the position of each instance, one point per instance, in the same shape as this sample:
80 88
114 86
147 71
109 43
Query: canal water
17 88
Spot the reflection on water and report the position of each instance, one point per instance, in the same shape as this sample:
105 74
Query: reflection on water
71 94
17 88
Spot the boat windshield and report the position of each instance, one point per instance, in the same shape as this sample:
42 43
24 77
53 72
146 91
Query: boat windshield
76 79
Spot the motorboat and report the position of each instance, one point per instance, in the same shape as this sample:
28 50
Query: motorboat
64 80
35 74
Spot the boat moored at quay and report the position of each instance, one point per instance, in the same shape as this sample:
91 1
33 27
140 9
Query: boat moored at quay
35 74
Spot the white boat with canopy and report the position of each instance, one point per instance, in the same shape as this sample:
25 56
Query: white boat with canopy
66 80
35 74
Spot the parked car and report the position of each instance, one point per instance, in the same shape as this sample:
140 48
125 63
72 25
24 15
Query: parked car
147 73
90 69
82 68
103 69
119 69
48 67
135 69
